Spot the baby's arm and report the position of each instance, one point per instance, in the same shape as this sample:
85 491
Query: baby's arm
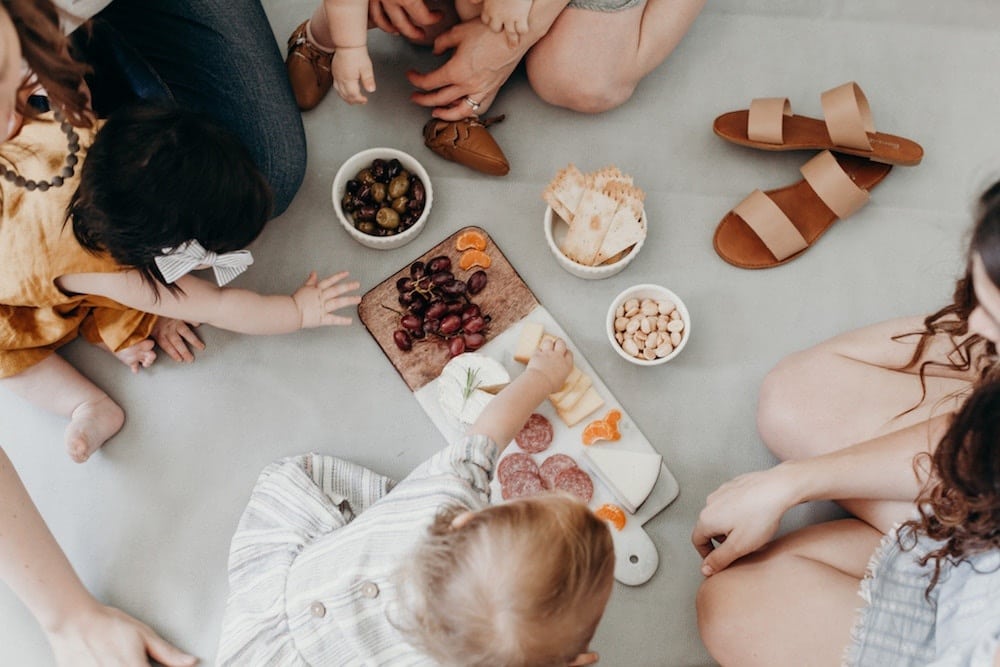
240 310
504 416
348 23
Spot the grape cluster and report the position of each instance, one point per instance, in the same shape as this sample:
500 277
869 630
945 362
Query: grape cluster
438 305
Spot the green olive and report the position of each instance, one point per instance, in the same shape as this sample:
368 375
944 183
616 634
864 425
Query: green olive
398 186
379 192
367 228
399 204
366 176
387 218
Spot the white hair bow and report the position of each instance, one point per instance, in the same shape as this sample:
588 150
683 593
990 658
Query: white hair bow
177 262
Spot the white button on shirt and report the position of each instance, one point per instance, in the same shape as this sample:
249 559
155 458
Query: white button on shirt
369 589
317 609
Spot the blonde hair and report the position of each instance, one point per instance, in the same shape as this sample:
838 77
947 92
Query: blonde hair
510 586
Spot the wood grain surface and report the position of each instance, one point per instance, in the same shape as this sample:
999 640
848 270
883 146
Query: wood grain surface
506 299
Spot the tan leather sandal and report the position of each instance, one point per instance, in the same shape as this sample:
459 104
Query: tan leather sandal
771 228
847 127
308 69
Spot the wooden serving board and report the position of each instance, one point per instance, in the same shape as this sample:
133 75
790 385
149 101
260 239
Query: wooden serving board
509 301
506 299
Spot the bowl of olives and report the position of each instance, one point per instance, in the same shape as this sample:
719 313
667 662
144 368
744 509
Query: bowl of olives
382 197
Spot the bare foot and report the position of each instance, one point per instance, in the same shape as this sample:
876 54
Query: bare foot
140 355
91 425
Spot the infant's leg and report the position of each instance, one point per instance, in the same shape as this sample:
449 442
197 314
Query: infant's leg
57 387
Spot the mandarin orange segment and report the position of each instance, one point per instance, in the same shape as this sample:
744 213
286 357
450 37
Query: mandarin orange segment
471 258
613 514
470 239
605 428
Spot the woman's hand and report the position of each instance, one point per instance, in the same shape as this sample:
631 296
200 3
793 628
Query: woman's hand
481 64
353 74
99 636
317 301
177 338
742 515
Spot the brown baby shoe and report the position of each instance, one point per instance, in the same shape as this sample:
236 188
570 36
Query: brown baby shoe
467 142
308 69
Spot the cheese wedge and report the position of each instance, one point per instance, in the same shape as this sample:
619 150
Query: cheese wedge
571 379
531 336
569 400
630 476
461 383
589 402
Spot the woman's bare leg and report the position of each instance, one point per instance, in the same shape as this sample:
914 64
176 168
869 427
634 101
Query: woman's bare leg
847 390
56 386
562 68
792 603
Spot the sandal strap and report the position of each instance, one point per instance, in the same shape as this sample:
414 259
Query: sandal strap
771 225
767 119
848 116
833 185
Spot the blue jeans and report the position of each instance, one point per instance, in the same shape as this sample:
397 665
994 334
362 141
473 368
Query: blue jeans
218 57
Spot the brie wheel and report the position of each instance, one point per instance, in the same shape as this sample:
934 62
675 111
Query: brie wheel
459 393
630 476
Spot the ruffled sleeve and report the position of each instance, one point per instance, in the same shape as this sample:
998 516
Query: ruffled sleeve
472 459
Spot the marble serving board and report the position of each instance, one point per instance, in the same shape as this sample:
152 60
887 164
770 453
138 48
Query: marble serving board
636 557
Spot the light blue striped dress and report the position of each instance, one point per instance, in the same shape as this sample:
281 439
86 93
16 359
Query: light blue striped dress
310 584
958 626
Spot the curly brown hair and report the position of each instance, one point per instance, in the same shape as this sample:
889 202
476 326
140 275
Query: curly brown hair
961 504
46 49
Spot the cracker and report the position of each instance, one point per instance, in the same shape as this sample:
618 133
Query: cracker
590 223
564 192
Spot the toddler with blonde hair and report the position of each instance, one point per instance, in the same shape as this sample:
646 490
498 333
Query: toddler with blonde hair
333 564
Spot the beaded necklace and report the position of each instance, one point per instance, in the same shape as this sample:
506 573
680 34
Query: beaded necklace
72 148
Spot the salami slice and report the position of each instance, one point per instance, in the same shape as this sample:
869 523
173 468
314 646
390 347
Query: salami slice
575 481
515 462
536 434
552 466
521 484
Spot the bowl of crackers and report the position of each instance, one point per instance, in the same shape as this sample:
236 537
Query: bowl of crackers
595 223
648 324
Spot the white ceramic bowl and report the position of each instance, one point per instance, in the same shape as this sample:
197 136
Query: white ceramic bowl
555 232
356 163
657 293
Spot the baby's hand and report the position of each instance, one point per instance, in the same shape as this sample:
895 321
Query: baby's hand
350 65
553 362
507 16
175 336
318 300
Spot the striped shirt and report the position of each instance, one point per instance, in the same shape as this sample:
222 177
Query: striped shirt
310 584
958 626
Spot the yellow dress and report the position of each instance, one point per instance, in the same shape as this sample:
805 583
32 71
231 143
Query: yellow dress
37 246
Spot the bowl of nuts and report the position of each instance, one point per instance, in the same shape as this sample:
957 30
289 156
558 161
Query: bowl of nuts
382 197
648 325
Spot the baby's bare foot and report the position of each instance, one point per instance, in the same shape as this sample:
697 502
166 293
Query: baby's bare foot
140 355
91 425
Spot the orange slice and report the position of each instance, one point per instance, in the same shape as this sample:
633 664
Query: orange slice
470 239
471 258
605 428
612 514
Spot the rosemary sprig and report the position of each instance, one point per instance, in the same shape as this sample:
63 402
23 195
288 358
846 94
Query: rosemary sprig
471 382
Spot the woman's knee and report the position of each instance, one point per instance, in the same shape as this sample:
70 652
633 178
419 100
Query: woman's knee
781 414
719 616
593 93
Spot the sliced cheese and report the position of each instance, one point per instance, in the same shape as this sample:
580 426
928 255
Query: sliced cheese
569 400
531 336
461 383
571 379
589 402
630 476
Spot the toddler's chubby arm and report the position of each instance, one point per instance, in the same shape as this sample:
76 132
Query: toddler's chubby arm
352 66
504 416
314 304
